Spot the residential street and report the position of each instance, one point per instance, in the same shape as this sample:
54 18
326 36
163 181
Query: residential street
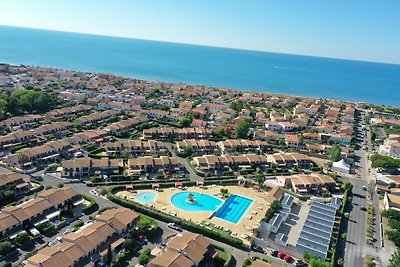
356 248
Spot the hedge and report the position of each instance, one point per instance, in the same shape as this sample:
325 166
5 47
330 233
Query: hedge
187 225
141 184
18 147
91 205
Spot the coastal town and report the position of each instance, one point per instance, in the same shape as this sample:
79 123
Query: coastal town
103 170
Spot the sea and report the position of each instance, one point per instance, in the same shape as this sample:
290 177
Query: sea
247 70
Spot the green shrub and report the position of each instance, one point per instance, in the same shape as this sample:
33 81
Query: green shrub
5 247
77 225
91 205
144 257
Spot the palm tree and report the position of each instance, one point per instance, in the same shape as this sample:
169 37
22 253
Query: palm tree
191 198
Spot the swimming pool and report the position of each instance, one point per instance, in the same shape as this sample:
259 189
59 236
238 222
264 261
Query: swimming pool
203 202
234 208
147 197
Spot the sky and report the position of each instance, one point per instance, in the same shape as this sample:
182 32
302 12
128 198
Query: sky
358 29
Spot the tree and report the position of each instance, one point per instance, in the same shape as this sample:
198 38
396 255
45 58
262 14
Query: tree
5 247
128 244
391 185
395 259
242 129
109 255
185 121
347 185
3 108
334 153
385 162
22 158
188 151
147 225
23 239
144 257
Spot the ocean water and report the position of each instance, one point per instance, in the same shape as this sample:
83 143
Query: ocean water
221 67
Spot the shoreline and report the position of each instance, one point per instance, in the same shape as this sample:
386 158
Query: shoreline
202 85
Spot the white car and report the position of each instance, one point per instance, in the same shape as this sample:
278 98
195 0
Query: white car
78 154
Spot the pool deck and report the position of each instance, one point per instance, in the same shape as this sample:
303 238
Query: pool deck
244 226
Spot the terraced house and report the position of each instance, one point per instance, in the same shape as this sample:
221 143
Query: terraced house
165 134
136 148
95 119
88 245
84 167
242 146
152 165
211 163
22 122
199 147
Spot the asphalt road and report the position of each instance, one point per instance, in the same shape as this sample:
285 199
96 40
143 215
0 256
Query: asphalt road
356 248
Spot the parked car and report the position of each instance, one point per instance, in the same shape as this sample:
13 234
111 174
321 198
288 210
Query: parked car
78 154
288 258
299 263
258 249
274 252
364 188
174 226
281 254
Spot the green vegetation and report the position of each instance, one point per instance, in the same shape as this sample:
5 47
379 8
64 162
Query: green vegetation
224 257
77 225
144 257
92 204
187 152
23 239
394 224
271 210
314 261
242 129
25 101
385 162
147 226
334 153
185 121
369 261
395 259
5 247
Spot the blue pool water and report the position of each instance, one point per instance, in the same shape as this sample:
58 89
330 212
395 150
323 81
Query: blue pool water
234 208
147 197
203 202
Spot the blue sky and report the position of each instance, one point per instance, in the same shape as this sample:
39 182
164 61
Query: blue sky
357 29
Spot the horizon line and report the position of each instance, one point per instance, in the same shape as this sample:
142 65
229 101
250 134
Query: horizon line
205 45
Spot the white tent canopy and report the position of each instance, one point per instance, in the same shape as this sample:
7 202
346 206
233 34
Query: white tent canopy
341 166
